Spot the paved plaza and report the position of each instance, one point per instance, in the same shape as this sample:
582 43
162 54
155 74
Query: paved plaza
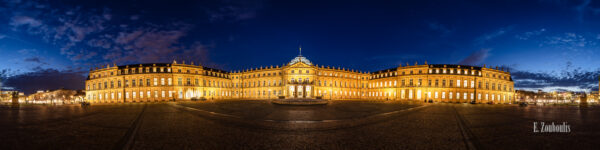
257 124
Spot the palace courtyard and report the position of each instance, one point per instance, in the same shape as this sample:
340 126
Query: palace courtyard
259 124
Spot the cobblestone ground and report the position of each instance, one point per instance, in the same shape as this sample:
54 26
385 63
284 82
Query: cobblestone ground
254 124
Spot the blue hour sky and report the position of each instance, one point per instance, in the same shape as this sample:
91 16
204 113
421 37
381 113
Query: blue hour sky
547 44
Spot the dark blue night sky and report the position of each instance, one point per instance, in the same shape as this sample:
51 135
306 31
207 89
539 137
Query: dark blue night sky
547 44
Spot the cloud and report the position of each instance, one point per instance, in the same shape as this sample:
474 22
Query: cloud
568 41
489 36
147 45
106 14
18 21
64 28
234 11
573 79
2 36
584 8
33 59
84 55
440 28
91 36
27 51
577 81
134 17
581 9
476 57
44 79
36 60
529 34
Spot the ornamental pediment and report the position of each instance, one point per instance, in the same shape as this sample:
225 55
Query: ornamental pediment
299 65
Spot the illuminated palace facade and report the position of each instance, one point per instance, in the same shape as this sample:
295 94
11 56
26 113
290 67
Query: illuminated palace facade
299 78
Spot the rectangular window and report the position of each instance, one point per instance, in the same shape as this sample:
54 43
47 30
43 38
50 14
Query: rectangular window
179 82
155 81
162 80
402 94
170 82
457 83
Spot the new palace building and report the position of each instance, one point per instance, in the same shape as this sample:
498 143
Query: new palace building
298 79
